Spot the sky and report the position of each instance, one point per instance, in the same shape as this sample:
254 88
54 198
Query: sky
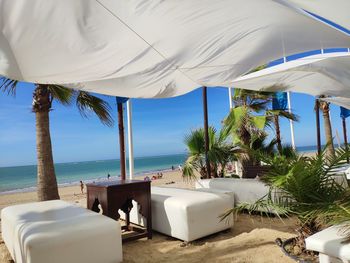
159 126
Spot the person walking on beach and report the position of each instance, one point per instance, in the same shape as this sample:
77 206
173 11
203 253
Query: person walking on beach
108 176
82 187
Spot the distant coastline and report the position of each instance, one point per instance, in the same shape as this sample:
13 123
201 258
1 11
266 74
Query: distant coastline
23 178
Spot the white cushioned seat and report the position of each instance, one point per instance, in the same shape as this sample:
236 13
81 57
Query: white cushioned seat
329 243
187 214
245 190
57 231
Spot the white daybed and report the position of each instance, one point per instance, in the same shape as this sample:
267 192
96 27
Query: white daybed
187 214
57 231
329 243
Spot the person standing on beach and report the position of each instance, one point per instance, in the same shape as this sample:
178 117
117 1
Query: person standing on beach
108 176
82 187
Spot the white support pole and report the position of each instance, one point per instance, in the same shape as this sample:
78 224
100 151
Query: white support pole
230 97
291 121
290 111
130 142
330 119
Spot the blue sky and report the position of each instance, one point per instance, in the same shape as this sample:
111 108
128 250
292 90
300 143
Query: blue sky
159 126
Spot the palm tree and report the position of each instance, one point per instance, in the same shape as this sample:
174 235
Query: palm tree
243 122
219 154
275 115
246 121
43 97
307 188
324 106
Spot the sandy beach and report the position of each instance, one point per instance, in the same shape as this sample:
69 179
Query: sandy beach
250 240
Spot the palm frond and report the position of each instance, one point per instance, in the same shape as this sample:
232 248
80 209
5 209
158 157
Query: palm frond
191 164
284 114
89 103
61 94
8 85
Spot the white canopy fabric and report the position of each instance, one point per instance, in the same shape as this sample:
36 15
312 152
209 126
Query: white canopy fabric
341 101
151 48
323 74
336 11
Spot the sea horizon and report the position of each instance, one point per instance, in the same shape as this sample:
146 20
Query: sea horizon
22 178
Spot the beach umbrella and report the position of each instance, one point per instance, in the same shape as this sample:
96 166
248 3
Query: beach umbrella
120 101
146 49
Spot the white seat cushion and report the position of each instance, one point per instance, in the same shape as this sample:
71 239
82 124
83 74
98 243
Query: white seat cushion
329 242
187 214
57 231
245 190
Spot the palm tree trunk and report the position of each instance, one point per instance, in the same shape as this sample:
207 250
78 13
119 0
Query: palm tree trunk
278 133
328 128
47 183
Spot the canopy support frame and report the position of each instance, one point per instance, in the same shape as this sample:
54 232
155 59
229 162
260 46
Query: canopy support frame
318 129
121 141
345 137
206 130
130 139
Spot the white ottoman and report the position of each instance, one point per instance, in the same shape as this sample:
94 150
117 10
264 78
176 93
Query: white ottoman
329 244
187 214
57 231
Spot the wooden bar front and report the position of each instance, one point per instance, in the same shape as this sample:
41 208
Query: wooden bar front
115 195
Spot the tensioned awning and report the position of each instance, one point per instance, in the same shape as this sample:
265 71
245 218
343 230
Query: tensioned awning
323 74
151 48
336 11
341 101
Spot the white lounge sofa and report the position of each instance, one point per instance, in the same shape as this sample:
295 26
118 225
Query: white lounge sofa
329 244
187 214
245 190
57 231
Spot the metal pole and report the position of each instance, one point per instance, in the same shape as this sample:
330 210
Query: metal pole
206 130
121 141
230 97
291 121
345 137
130 141
290 111
318 130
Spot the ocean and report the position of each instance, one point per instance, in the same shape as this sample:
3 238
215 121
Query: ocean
23 178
